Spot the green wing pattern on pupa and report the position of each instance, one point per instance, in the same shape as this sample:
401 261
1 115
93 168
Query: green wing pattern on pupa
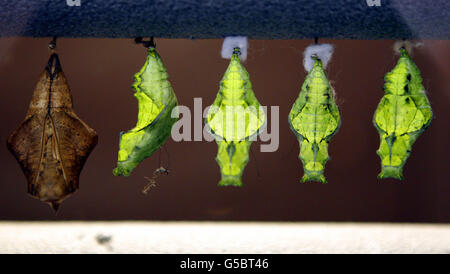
402 115
314 118
234 119
156 100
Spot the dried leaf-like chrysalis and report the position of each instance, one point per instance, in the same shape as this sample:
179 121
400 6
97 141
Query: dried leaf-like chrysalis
234 119
402 115
314 118
52 144
156 101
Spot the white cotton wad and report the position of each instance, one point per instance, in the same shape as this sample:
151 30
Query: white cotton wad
232 42
408 45
323 51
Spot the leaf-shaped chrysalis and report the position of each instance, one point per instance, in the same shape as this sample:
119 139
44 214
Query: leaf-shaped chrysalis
234 119
402 115
52 144
314 117
156 101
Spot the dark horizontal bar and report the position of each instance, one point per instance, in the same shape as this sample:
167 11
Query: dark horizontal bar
258 19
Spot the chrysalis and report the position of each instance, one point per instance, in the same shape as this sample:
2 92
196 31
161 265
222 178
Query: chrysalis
402 115
52 144
156 101
234 119
314 118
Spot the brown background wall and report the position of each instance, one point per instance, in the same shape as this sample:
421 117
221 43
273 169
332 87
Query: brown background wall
100 73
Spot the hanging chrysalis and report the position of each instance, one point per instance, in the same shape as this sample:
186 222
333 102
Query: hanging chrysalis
314 117
156 101
402 115
236 117
52 144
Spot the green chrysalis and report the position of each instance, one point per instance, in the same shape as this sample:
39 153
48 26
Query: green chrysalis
234 119
156 101
314 118
402 115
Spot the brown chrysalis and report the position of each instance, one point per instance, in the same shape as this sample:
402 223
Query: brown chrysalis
52 144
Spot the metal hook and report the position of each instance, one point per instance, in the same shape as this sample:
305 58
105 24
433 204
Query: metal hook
52 44
403 44
315 56
147 44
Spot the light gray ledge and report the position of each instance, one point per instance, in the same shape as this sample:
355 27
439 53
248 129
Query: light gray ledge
221 237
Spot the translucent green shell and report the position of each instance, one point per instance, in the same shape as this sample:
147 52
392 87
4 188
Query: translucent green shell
156 101
234 119
402 115
314 118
